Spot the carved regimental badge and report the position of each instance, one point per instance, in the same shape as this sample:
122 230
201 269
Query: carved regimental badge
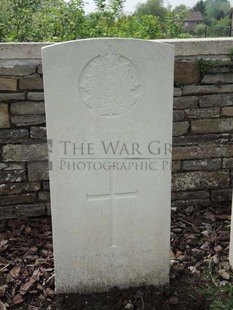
109 85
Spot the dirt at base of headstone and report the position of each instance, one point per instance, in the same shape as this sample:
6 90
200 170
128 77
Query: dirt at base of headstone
199 242
179 295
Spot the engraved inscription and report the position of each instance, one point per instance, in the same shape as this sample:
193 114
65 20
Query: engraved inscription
111 196
109 85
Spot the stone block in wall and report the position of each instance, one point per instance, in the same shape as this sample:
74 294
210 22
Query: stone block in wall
227 163
12 166
203 113
13 135
35 96
38 133
225 78
27 107
8 84
40 69
177 92
17 199
24 152
11 96
178 115
227 111
12 176
48 209
215 101
207 89
200 180
185 103
176 165
17 70
19 188
202 164
190 195
221 195
38 171
190 203
28 210
4 116
207 150
46 186
199 139
33 82
180 128
26 120
44 196
212 125
187 72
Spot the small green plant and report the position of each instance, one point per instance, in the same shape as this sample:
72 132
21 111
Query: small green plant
218 294
206 65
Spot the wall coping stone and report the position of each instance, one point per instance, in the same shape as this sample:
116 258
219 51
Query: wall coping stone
183 47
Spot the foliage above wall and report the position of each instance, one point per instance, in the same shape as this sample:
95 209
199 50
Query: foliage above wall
62 20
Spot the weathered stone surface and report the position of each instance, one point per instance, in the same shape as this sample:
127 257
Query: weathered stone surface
185 103
25 120
38 133
33 82
8 84
202 164
24 152
48 209
200 139
14 135
12 166
215 101
3 166
11 96
207 89
180 128
40 69
27 107
29 210
35 96
187 72
203 113
176 165
4 116
46 186
17 199
18 188
18 70
177 92
191 202
227 111
12 176
227 163
190 195
200 180
226 78
221 195
178 116
208 150
212 125
44 196
38 171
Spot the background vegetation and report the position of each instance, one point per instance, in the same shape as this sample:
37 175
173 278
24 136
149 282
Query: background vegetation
59 20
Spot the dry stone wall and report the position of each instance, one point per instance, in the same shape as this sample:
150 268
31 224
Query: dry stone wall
202 128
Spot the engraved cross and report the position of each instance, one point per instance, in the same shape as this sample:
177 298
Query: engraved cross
112 196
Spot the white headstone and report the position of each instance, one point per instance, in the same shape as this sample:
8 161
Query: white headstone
109 118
